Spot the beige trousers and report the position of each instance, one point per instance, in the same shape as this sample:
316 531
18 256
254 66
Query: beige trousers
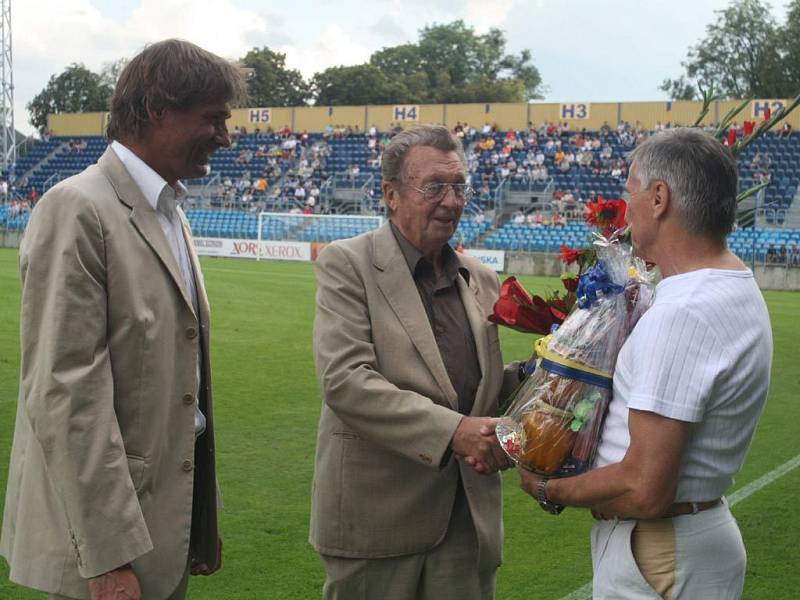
446 572
178 594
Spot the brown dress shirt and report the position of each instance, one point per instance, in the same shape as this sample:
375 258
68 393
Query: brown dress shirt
447 317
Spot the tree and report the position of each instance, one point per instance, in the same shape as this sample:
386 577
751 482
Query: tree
111 71
271 82
789 36
740 55
450 63
679 89
358 84
76 89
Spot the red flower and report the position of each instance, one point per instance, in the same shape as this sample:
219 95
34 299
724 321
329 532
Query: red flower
608 215
517 309
569 255
570 281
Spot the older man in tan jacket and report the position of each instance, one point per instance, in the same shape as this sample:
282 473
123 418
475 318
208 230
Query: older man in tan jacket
112 486
406 500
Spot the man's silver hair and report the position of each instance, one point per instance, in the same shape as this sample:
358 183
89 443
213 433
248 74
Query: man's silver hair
435 136
700 173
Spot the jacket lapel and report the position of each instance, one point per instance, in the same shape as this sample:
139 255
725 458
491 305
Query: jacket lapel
477 322
143 217
397 286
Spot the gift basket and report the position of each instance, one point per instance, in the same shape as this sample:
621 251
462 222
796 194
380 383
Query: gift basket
552 425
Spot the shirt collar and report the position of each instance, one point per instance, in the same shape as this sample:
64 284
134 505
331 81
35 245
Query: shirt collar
452 266
150 183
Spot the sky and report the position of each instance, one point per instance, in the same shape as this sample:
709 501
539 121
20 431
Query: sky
585 50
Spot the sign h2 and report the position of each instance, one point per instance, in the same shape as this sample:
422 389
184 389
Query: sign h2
760 107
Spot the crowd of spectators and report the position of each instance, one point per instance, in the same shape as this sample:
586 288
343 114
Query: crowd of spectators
531 154
783 255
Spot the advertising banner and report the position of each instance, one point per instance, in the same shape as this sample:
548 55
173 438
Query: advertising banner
270 249
494 259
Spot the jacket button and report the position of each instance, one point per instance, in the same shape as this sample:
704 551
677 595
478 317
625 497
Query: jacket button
191 333
188 399
187 465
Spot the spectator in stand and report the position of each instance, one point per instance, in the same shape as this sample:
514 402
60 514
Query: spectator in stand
487 143
795 255
519 217
33 195
782 254
786 130
484 194
772 254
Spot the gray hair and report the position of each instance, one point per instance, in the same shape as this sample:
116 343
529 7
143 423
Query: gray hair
435 136
700 173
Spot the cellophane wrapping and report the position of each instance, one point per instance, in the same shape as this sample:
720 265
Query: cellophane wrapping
555 419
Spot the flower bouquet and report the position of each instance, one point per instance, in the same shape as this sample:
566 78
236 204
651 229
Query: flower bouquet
553 423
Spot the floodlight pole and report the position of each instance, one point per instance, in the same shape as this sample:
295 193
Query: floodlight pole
9 135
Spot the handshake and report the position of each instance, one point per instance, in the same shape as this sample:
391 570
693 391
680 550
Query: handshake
475 442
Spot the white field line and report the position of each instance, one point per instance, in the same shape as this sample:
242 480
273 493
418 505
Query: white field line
585 592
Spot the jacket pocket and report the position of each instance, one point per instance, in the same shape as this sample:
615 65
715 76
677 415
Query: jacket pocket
136 469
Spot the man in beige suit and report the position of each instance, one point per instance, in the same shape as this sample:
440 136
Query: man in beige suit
406 499
112 487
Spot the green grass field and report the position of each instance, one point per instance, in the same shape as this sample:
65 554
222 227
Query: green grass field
267 404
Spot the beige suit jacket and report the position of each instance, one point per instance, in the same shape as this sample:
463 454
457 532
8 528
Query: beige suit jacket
389 409
103 462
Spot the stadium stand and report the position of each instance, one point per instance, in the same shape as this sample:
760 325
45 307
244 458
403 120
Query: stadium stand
339 171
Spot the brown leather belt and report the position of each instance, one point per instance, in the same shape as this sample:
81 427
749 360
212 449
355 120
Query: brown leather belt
674 510
688 508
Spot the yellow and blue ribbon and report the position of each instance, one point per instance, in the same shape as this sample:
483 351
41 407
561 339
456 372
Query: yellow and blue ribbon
557 364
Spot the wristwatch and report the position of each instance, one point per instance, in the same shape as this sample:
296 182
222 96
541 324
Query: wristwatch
541 496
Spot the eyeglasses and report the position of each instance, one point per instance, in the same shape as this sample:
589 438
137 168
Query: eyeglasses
435 192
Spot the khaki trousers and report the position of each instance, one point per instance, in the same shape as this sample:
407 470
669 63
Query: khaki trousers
178 594
446 572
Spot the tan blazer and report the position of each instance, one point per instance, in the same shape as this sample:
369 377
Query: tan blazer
103 460
389 409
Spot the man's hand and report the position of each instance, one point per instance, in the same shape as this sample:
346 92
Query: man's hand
199 568
119 584
529 481
474 440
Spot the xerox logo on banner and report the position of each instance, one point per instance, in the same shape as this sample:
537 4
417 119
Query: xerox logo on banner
270 250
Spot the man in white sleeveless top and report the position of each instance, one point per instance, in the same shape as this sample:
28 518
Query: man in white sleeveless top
689 387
